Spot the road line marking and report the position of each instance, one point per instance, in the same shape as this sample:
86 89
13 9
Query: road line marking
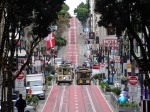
47 99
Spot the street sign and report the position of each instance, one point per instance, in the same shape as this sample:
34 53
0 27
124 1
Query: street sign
117 59
133 80
136 70
19 82
102 65
133 90
21 76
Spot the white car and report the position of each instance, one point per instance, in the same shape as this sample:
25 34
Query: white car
38 91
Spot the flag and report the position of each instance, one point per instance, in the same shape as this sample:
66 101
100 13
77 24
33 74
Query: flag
50 40
53 39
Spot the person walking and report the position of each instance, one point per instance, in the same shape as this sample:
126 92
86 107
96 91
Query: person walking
20 104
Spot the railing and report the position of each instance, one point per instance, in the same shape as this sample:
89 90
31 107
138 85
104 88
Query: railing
114 100
95 81
53 81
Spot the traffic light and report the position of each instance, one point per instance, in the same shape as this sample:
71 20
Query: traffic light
111 64
91 35
14 65
97 40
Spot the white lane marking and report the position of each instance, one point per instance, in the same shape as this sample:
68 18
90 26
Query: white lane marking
93 108
105 98
47 99
61 101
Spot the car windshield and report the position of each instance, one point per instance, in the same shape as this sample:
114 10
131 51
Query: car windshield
35 83
34 89
58 60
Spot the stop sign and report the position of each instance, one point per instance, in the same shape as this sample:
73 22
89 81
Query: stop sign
21 76
133 80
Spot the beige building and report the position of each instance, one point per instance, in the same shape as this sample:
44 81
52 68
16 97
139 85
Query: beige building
101 32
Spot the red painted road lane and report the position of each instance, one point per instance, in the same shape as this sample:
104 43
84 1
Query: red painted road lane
64 104
50 100
57 102
72 46
96 106
76 101
101 100
87 102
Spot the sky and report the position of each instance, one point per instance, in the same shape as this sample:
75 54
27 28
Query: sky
73 4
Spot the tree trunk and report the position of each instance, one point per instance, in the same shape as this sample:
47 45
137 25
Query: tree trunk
7 104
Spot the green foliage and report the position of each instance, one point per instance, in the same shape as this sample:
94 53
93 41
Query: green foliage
65 7
108 89
99 76
102 84
60 41
82 12
121 104
49 83
32 101
48 68
117 91
49 78
128 104
96 76
135 104
53 72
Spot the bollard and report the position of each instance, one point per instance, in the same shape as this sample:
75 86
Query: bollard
97 81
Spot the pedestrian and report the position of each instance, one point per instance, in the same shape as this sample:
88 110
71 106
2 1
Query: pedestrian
20 104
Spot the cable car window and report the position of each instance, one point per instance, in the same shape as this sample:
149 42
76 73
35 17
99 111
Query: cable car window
64 71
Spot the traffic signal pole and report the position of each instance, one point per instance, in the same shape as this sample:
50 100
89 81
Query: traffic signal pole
108 68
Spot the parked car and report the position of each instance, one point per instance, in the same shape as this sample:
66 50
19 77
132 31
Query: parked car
95 66
38 91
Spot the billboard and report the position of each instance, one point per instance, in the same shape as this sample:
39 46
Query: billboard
91 35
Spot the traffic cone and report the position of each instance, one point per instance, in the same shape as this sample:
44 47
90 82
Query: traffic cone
30 91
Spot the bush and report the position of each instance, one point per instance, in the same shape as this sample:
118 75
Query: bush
32 101
99 76
49 78
52 72
96 76
102 84
108 89
117 91
49 83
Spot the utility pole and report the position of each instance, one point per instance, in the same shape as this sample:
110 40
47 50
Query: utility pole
108 67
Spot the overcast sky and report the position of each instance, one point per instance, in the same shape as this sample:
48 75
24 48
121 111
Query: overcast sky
73 4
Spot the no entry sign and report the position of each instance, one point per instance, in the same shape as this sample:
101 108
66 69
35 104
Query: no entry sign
21 76
133 80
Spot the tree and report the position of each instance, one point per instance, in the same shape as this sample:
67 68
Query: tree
82 12
60 41
15 16
130 16
63 20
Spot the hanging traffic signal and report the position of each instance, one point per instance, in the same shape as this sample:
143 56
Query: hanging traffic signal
97 40
91 35
112 64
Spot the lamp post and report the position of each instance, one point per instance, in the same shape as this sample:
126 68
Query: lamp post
108 61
